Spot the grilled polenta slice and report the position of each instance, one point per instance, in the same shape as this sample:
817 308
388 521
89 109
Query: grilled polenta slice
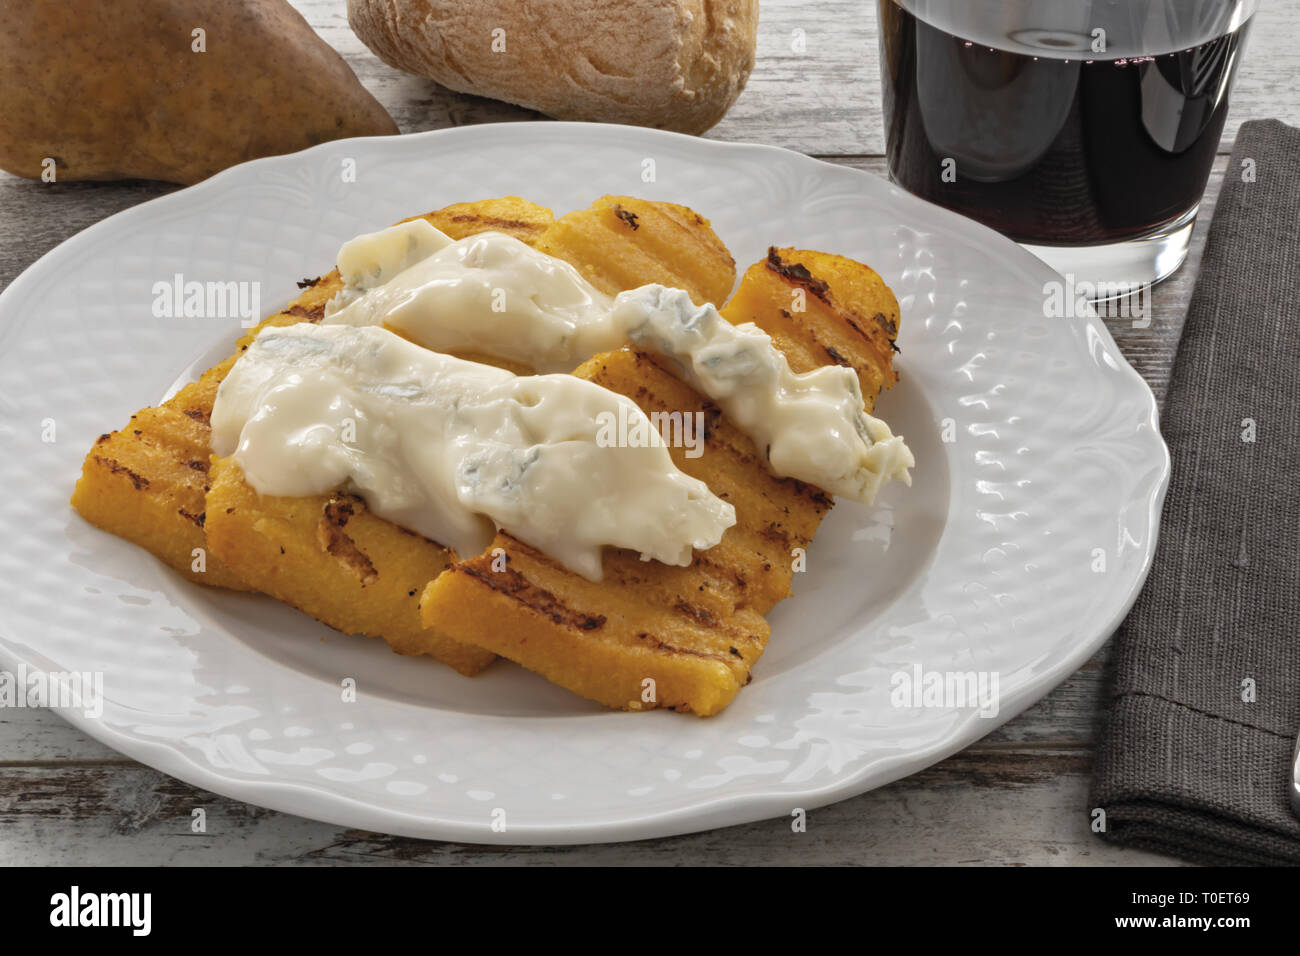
357 577
693 632
822 309
621 242
753 563
631 642
146 483
524 220
651 635
330 556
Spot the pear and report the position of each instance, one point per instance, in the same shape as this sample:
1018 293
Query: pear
168 89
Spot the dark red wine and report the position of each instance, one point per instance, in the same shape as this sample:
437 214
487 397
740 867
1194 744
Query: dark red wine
1037 134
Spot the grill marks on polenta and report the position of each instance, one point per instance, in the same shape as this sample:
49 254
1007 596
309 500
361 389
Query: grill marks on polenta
773 514
159 515
682 638
622 242
849 316
331 557
332 536
318 569
648 635
693 633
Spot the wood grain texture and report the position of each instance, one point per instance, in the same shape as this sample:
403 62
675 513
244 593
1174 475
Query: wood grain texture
1019 796
824 100
1006 806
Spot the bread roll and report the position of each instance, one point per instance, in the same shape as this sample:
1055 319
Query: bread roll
673 64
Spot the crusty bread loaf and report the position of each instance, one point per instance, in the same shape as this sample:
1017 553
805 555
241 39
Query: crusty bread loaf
673 64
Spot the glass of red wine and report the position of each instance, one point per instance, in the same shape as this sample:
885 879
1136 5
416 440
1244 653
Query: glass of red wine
1083 129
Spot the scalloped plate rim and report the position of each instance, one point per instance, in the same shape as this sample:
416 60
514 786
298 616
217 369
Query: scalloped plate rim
714 809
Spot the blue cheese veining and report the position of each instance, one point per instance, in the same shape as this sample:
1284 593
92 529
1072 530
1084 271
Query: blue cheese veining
454 450
813 425
491 293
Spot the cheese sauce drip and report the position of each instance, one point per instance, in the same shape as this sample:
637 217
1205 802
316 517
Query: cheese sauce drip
455 450
491 293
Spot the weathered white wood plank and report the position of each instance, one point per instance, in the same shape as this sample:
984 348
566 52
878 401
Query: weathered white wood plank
825 100
985 809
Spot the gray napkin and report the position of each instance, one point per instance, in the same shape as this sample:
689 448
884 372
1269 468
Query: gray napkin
1196 754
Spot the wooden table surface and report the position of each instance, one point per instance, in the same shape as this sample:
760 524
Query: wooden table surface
1017 797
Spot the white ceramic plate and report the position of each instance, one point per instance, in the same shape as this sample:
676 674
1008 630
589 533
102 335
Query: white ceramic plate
989 563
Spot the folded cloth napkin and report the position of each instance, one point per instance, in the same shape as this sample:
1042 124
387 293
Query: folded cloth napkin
1197 751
